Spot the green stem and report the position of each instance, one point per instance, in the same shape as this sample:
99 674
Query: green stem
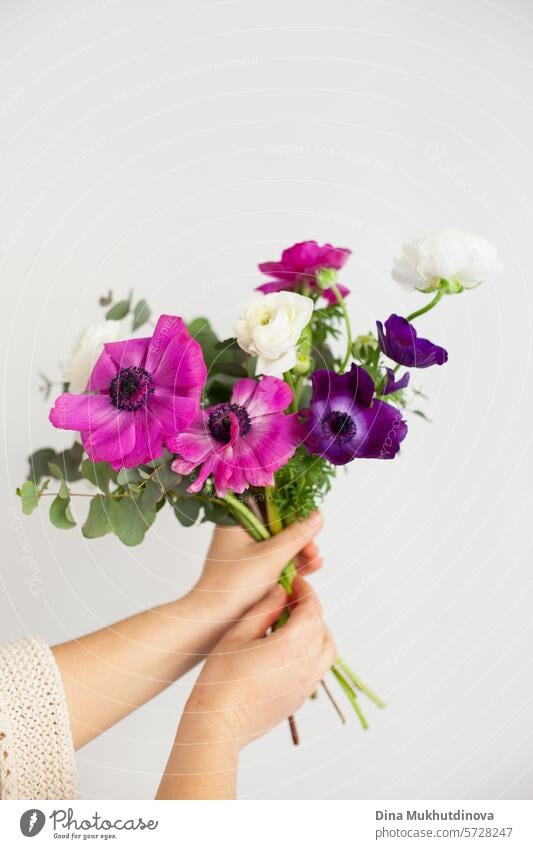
287 377
351 696
287 577
347 323
359 684
429 306
244 515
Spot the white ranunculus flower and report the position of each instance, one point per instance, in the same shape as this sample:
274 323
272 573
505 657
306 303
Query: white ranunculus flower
270 328
464 260
86 349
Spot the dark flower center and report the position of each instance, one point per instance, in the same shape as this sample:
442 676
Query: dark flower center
130 388
220 421
339 426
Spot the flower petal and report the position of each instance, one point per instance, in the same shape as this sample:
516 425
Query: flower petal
130 352
112 439
195 443
81 412
175 412
174 359
270 395
330 296
147 443
105 369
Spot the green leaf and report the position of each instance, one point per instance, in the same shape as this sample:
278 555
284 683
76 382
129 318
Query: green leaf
60 514
421 414
63 488
187 510
133 515
98 522
220 357
29 496
67 461
99 474
118 311
141 314
127 477
166 478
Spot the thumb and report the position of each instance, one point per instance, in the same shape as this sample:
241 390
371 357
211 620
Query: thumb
286 545
258 619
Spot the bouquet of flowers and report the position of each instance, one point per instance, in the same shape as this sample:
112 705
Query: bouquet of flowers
250 429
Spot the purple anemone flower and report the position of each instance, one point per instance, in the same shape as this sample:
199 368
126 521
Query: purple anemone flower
241 442
345 421
299 265
400 342
141 392
393 385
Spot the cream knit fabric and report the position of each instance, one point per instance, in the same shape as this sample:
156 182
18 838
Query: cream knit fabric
36 750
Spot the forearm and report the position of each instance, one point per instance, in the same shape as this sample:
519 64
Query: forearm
111 672
202 764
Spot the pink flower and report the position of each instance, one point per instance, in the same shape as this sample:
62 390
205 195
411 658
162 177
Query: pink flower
141 393
242 442
299 267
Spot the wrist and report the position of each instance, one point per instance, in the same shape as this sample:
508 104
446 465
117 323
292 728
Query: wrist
205 723
218 607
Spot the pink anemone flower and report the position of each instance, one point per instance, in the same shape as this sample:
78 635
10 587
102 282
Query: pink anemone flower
141 393
241 442
300 265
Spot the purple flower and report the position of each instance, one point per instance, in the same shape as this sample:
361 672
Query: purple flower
393 385
400 342
241 442
299 266
345 421
141 392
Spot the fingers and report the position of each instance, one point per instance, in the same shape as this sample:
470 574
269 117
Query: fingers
309 559
261 616
286 545
306 614
232 536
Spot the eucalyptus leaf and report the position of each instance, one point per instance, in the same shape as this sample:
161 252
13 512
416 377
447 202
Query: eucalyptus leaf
68 462
99 474
98 522
60 514
187 510
133 515
126 477
141 314
118 311
29 496
166 478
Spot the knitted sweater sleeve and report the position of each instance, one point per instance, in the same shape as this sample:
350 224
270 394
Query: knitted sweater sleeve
36 750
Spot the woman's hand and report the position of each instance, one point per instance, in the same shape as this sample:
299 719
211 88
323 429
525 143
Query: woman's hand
248 685
238 571
109 673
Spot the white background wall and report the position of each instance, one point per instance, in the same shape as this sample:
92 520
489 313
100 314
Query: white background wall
169 147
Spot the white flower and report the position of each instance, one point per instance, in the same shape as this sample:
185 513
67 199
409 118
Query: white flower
464 260
86 349
270 328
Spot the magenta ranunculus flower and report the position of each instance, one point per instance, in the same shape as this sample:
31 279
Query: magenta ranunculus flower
241 442
300 265
141 393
